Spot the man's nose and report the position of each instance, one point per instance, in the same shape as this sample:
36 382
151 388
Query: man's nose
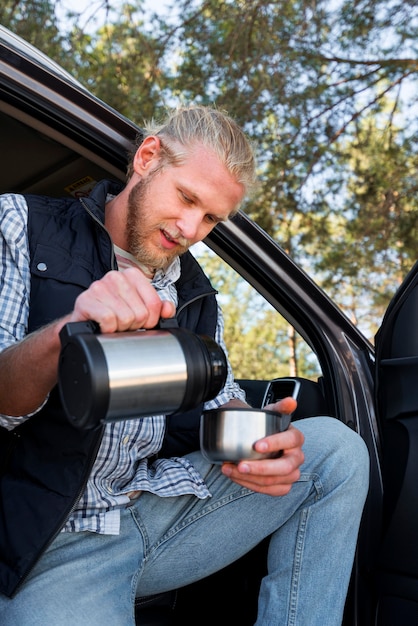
189 224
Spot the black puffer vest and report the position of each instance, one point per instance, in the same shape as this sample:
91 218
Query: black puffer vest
45 462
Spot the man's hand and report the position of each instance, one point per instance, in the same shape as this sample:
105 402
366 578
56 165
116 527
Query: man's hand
273 477
121 301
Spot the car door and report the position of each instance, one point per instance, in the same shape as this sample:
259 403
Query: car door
397 410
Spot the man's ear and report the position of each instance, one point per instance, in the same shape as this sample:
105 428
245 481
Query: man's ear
147 156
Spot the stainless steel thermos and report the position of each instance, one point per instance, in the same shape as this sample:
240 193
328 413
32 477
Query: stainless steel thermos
109 377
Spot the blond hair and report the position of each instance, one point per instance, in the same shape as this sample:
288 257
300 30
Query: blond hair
190 125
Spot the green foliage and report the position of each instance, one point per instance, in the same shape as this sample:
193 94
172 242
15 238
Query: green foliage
261 344
375 234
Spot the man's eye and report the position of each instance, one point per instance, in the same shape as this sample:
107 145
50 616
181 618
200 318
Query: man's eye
186 198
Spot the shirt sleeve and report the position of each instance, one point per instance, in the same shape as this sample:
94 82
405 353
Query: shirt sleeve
14 270
231 389
14 276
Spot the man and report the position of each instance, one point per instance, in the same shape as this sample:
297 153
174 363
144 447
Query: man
91 519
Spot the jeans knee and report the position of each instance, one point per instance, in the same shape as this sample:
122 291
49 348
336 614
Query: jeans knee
334 444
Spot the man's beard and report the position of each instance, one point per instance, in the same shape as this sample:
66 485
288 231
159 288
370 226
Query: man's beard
140 228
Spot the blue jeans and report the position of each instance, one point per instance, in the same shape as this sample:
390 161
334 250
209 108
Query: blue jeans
165 543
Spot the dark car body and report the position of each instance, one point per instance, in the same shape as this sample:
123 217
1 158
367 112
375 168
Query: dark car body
56 138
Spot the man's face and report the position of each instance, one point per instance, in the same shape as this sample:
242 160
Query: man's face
171 209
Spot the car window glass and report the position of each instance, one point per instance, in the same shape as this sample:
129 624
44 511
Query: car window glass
261 343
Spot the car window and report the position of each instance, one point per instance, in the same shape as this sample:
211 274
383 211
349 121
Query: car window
261 343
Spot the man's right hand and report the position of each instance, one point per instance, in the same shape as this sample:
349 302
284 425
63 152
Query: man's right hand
121 301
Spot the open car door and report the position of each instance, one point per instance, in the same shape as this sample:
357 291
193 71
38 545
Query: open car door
397 409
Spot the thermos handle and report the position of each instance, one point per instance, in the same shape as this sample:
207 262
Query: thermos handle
167 322
76 328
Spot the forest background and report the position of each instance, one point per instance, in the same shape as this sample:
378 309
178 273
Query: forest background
326 89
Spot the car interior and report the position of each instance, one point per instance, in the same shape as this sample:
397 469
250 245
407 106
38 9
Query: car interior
46 166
